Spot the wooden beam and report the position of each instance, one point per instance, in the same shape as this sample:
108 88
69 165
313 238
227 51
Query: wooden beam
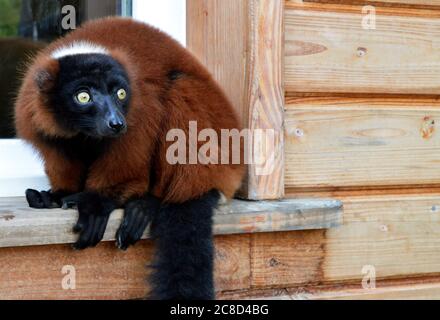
266 95
329 50
105 272
241 43
23 226
393 289
426 291
334 142
394 3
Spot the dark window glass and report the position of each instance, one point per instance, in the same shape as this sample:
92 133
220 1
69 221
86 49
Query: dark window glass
26 26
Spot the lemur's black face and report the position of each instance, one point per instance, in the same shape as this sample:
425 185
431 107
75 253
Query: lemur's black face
92 95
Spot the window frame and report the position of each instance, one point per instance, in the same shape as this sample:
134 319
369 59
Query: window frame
20 166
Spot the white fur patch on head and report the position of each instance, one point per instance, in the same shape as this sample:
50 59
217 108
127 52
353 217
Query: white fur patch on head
78 47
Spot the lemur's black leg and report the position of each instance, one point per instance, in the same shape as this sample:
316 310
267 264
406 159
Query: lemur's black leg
184 250
94 211
44 199
138 213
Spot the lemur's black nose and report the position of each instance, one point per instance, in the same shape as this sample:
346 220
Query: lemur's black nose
116 125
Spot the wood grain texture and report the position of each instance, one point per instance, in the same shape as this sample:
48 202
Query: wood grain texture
266 97
289 258
327 50
241 43
398 235
405 289
355 142
426 288
217 34
105 272
428 291
23 226
101 273
232 262
353 7
395 3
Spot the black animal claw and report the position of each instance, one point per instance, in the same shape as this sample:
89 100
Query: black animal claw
137 216
44 199
94 211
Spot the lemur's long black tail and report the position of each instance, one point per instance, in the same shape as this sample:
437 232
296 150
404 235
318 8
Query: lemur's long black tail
184 250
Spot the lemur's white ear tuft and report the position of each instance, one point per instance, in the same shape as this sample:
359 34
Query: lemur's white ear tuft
78 47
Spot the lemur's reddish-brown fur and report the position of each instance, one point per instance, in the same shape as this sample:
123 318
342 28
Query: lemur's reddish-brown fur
156 106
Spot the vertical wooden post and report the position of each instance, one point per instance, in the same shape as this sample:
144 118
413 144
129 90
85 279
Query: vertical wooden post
242 43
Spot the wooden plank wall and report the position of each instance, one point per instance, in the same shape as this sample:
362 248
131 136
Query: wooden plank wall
359 142
361 122
398 234
384 3
361 119
38 240
362 105
418 4
105 272
325 55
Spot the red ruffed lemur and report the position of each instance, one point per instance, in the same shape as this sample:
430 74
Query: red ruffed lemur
97 105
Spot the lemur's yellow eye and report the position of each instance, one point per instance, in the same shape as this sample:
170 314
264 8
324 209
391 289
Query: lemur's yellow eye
83 97
122 94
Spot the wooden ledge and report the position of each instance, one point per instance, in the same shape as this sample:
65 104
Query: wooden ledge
23 226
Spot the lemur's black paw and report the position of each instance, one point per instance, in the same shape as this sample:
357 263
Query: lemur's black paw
43 199
70 202
137 216
94 212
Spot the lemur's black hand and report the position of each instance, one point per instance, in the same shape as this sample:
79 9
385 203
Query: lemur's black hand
94 211
70 202
137 216
44 199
